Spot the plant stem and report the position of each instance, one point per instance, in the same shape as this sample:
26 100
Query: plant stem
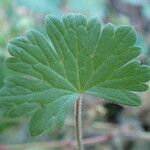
78 123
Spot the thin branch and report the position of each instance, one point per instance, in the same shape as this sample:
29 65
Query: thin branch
61 144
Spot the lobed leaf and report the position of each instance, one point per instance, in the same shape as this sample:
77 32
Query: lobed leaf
79 56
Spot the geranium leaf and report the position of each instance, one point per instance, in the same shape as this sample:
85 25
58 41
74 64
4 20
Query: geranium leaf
51 116
19 110
79 57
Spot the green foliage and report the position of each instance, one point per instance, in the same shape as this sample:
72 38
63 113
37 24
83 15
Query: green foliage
6 125
79 57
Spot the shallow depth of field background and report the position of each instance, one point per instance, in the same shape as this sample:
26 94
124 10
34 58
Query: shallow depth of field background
130 127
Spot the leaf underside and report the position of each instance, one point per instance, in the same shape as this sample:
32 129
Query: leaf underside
77 57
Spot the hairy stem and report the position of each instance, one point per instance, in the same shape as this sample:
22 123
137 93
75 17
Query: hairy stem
78 123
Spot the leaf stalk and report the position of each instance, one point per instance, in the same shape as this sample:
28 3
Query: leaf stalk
78 129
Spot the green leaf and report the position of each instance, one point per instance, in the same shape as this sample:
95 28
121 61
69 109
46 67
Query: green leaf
79 57
19 110
6 125
51 116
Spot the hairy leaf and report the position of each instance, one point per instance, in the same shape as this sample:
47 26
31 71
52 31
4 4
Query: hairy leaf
78 57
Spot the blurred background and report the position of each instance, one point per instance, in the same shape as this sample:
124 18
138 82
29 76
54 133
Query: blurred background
107 126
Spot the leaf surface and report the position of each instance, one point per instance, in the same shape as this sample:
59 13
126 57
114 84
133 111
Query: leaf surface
52 116
79 56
